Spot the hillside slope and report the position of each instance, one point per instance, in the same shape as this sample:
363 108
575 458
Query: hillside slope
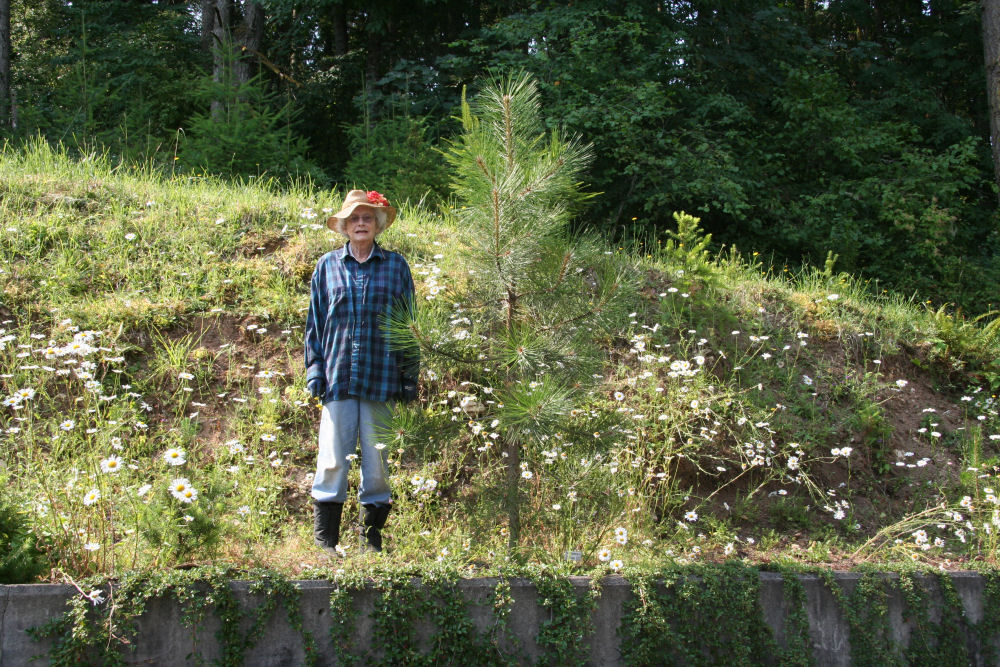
151 345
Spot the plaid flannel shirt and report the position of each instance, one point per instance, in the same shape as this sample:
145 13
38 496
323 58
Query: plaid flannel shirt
346 341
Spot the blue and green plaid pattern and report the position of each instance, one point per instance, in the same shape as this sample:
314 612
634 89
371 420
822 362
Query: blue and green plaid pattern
346 338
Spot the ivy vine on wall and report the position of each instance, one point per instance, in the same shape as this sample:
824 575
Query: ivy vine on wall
692 615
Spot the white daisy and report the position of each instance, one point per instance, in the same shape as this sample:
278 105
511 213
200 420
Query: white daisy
174 456
111 464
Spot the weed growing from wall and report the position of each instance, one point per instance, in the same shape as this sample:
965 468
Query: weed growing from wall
867 610
985 630
406 601
940 643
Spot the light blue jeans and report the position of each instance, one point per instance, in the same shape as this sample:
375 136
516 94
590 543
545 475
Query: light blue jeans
344 423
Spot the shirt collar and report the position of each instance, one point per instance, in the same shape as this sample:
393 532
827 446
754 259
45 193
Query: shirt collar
345 252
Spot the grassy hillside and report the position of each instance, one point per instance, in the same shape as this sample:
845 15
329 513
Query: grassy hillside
154 410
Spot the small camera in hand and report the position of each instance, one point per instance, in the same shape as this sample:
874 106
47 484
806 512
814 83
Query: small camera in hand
316 388
408 391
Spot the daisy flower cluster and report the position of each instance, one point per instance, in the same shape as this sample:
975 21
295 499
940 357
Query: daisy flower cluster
430 276
423 487
72 404
605 554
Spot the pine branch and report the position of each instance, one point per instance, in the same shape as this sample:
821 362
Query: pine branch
544 178
429 346
486 172
585 314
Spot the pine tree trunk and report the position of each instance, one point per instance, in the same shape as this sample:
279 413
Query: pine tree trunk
991 57
513 489
6 104
246 38
513 447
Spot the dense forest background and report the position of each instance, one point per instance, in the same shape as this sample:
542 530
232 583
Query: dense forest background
793 129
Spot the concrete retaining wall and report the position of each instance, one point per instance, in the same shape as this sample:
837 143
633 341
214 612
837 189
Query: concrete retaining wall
163 639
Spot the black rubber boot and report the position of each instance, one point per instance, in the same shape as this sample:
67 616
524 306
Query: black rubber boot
375 516
326 526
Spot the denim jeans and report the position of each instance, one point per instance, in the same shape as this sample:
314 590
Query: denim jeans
344 423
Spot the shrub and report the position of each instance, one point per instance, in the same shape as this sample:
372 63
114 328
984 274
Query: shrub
396 154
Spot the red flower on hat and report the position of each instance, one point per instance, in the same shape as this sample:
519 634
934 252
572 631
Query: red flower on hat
377 198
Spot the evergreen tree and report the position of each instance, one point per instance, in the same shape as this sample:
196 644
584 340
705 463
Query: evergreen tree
245 132
524 328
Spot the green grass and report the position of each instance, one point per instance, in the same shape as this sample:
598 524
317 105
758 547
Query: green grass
730 386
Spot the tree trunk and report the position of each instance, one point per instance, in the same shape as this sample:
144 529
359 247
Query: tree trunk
513 501
991 57
235 45
340 29
251 39
6 104
372 58
207 25
221 34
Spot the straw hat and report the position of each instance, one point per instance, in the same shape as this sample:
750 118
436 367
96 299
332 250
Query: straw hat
384 213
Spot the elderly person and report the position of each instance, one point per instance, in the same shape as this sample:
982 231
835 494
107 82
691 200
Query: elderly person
351 365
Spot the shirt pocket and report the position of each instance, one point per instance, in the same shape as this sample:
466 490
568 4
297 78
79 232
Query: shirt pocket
377 305
340 303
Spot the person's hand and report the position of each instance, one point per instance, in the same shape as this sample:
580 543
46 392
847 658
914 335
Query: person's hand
408 390
316 387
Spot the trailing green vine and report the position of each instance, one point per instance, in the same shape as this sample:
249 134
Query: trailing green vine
986 629
95 629
408 601
343 624
503 605
798 643
867 612
923 647
692 615
562 636
953 627
701 615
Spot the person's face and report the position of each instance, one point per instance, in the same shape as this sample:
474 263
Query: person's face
360 225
